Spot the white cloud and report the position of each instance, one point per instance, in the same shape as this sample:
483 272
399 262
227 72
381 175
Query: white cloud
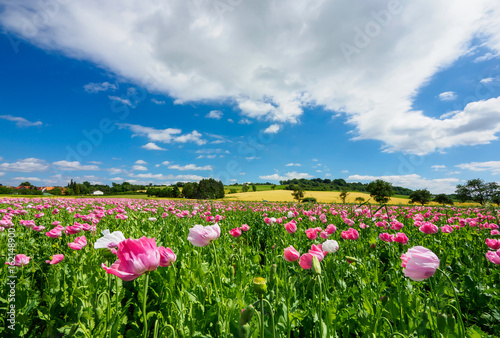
21 122
93 88
119 99
169 135
162 177
27 165
245 121
158 102
413 181
95 162
491 166
274 59
140 162
2 173
230 120
165 163
215 114
287 176
487 80
485 57
251 158
447 96
75 165
438 167
115 171
344 171
139 167
189 167
272 129
152 146
293 165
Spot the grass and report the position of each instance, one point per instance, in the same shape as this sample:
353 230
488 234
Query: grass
239 188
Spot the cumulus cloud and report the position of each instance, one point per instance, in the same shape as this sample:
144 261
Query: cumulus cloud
120 99
447 96
272 129
93 88
152 146
189 167
158 102
491 166
438 167
140 162
21 122
27 165
162 177
274 59
215 114
287 176
139 167
413 181
293 165
169 135
75 165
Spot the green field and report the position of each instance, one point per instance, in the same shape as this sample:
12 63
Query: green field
263 187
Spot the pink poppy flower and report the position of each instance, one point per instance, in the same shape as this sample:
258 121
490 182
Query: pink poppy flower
20 260
312 233
428 228
401 238
167 256
79 243
386 237
55 259
290 254
494 232
202 236
446 229
330 229
236 232
244 227
351 233
419 263
291 227
396 225
493 257
38 228
135 257
493 244
54 233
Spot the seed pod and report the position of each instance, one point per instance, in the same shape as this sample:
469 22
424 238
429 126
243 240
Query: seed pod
244 331
316 267
246 315
259 286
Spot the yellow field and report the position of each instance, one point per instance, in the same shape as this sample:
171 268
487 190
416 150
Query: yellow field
321 196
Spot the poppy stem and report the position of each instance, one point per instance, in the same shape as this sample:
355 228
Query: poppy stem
144 305
462 325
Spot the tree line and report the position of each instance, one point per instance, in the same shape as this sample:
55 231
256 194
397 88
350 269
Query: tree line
339 184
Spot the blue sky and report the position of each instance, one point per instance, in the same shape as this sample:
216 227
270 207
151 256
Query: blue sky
249 92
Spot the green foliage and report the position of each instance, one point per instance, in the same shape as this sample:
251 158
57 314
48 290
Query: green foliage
380 190
244 188
343 194
254 187
359 199
422 196
205 189
309 200
319 184
443 199
298 193
478 191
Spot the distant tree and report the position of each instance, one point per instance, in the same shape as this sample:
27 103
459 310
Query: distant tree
26 184
309 200
244 188
380 190
176 192
422 196
496 198
56 191
477 190
343 194
254 187
273 187
190 190
359 199
443 199
87 184
298 193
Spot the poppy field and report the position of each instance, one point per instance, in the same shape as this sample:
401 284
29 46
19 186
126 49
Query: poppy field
185 268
